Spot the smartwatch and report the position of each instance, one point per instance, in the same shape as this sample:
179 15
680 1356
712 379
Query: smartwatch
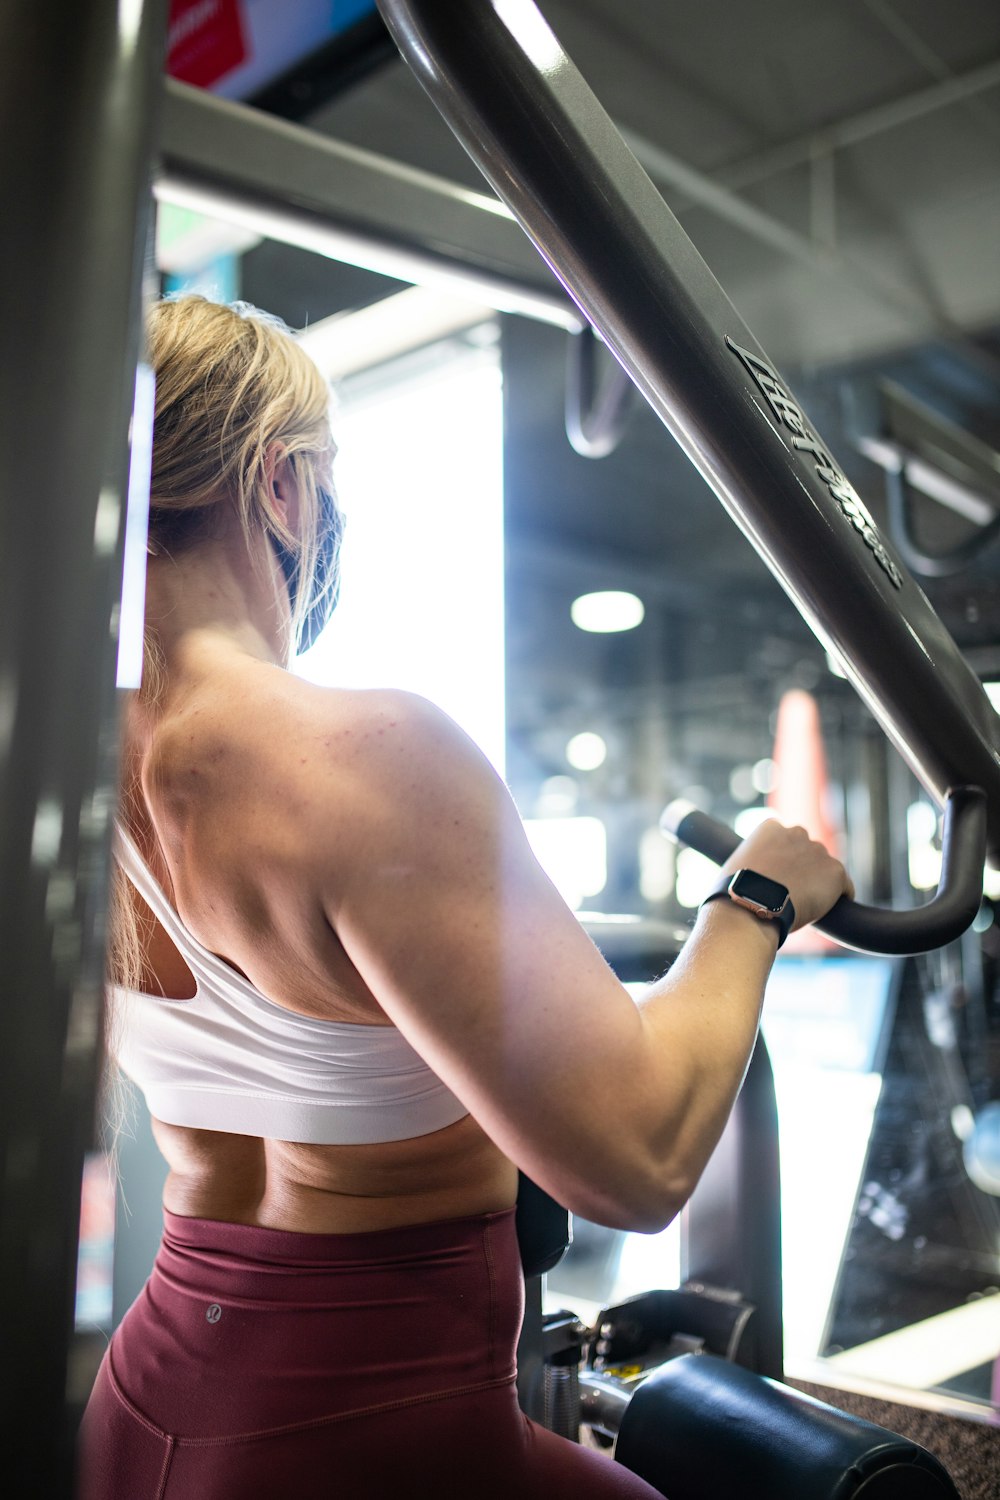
762 897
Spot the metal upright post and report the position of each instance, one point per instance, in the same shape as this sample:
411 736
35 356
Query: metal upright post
78 85
731 1227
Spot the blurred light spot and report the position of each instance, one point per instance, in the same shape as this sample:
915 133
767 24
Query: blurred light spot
742 787
46 834
106 522
921 822
750 818
695 877
608 611
657 865
925 866
923 858
765 775
557 798
586 751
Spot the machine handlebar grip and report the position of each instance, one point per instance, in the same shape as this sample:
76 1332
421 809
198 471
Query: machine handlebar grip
872 929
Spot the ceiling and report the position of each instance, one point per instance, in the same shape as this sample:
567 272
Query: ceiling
837 164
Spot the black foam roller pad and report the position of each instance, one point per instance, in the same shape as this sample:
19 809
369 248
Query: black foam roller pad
701 1428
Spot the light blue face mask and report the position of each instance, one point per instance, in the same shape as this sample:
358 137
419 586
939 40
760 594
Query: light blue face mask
326 581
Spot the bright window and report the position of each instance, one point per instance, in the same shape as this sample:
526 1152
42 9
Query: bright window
419 476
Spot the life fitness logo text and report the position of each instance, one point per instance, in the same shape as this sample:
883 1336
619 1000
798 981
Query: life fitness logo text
790 415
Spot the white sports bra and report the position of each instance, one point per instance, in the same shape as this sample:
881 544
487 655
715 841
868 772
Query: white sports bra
230 1059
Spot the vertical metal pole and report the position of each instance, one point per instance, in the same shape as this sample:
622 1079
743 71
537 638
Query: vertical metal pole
78 86
731 1226
530 1363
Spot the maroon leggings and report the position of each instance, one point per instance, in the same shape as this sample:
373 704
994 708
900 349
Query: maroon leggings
262 1365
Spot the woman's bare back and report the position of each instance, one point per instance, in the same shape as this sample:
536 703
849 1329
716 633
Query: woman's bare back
228 774
355 857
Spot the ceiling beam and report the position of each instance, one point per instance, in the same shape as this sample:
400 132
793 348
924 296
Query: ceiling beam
860 126
237 164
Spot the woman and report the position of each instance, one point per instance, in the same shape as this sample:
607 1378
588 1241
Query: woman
341 980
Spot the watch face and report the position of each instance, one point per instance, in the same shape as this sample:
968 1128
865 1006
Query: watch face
757 888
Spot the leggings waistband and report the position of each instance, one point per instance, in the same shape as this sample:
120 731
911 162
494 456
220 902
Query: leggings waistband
246 1262
287 1247
292 1328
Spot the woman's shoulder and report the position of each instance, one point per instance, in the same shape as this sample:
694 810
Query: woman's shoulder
273 754
263 713
373 728
391 748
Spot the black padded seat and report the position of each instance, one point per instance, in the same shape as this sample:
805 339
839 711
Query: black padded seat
702 1427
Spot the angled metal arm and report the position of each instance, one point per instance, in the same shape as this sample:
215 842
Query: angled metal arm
500 79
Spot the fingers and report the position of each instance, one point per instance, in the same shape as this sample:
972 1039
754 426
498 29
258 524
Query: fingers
814 878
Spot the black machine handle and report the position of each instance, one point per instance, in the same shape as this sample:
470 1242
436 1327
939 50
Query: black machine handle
873 929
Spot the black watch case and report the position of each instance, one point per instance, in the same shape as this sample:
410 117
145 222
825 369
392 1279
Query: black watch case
765 898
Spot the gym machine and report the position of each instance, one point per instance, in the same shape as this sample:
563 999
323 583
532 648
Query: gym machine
686 1384
79 89
500 79
81 102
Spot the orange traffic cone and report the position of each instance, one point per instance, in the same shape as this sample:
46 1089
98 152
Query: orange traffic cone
801 791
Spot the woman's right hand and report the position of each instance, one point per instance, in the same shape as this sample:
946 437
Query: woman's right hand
815 880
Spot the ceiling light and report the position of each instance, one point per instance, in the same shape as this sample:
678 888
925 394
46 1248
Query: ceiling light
607 611
586 751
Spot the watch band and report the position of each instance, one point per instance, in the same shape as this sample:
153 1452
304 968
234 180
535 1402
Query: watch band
767 900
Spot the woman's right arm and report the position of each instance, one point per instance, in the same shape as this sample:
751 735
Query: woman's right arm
613 1107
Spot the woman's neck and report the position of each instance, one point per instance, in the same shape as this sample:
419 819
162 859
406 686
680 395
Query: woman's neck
211 609
223 595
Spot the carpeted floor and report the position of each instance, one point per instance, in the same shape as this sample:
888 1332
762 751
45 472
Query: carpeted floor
970 1451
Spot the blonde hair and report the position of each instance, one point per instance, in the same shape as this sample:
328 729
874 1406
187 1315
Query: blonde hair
230 382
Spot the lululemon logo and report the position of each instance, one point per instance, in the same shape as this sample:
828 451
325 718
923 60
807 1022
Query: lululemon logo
214 1313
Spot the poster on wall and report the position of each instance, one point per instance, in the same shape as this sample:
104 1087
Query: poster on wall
237 47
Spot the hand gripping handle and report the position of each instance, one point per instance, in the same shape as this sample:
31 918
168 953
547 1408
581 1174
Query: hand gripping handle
873 929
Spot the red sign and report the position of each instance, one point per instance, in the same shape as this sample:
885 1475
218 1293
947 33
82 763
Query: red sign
205 40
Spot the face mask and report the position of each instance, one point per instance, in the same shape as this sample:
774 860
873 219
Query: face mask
326 585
